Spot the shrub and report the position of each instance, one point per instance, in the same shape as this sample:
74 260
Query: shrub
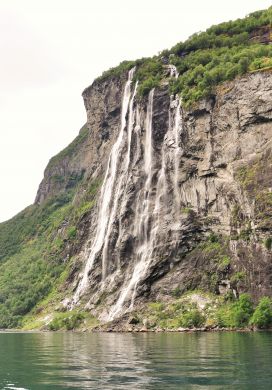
176 292
67 321
192 319
262 316
156 306
268 243
148 84
238 277
124 66
224 262
237 314
72 232
213 237
242 310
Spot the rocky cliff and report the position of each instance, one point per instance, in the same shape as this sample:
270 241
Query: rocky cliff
174 179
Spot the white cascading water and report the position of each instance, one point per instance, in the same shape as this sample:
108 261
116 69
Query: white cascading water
154 213
119 183
177 150
131 121
173 71
141 219
156 204
105 202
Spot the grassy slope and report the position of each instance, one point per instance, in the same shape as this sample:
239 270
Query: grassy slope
34 259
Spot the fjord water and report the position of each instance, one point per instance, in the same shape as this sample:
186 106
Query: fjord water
135 361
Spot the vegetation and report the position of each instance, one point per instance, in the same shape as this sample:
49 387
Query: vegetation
205 59
116 71
268 243
32 246
192 318
201 71
214 263
29 274
67 321
179 313
219 54
149 75
196 309
236 314
33 221
237 277
262 317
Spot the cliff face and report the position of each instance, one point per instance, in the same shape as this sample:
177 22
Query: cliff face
174 181
225 180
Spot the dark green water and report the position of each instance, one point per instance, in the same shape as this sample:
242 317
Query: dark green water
136 361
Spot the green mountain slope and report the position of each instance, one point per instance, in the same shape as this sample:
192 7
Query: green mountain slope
35 248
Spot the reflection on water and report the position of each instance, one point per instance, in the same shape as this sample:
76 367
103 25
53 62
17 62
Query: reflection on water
135 361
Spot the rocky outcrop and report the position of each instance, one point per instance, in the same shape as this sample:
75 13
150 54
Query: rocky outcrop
186 198
262 35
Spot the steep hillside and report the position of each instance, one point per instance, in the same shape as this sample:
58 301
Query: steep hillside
166 190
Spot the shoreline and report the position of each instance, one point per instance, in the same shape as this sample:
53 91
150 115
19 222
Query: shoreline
141 330
180 330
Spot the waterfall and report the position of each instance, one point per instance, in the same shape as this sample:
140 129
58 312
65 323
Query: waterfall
141 221
143 212
177 151
131 121
107 192
173 71
153 211
119 183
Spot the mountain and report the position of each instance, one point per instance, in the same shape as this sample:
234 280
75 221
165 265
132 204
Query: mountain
159 212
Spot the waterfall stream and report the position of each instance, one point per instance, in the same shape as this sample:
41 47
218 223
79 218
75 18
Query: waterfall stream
173 71
152 211
119 182
141 219
107 191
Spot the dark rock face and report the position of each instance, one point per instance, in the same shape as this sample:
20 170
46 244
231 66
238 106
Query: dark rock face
175 178
160 116
262 34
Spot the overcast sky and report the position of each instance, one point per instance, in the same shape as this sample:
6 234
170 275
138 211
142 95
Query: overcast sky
52 49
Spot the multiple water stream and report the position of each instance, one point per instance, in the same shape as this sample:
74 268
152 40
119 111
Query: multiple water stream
155 201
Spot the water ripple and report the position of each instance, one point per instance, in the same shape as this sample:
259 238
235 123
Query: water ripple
135 361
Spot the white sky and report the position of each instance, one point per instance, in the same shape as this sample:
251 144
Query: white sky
52 49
